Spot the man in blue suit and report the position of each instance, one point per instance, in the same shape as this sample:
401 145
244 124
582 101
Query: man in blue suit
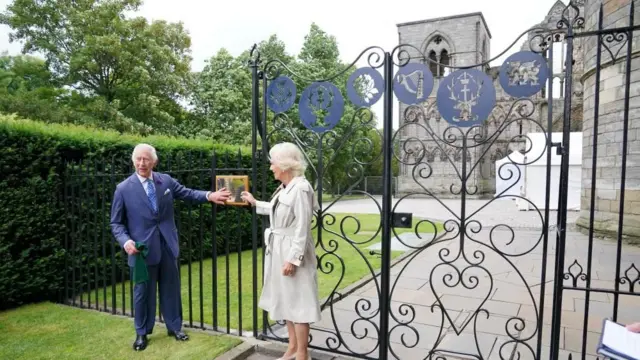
142 215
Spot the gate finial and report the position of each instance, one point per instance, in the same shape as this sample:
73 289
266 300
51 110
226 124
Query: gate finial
254 60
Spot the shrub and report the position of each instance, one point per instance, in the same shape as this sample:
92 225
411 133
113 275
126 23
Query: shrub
56 185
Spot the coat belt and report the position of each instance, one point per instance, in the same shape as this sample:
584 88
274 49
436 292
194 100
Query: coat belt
277 231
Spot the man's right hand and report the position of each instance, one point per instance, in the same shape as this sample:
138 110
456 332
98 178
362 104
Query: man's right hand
130 247
219 197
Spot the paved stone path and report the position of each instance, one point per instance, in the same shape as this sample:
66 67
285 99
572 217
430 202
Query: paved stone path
490 294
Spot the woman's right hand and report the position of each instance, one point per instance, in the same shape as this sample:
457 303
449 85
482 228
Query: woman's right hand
246 196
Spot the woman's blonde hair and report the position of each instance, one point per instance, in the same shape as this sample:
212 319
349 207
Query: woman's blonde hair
288 157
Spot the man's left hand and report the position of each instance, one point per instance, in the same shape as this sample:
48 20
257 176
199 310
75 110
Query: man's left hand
220 196
288 269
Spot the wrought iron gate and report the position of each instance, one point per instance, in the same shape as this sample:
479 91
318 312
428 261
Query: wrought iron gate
450 293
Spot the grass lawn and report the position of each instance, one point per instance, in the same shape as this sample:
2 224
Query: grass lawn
233 306
52 331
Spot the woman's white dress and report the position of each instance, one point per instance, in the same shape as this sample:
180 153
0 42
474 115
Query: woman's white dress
293 298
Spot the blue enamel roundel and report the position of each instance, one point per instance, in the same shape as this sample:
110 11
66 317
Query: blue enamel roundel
413 83
523 74
321 106
466 97
368 90
281 94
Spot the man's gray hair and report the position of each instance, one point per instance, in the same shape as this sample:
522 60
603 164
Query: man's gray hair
144 147
288 157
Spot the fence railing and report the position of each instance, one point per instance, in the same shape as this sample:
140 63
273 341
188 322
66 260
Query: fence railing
218 254
373 185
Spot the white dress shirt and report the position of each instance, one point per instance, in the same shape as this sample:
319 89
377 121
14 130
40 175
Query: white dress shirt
145 184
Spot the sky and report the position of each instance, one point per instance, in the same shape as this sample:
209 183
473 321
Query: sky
356 24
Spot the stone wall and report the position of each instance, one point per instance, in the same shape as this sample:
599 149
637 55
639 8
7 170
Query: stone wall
610 125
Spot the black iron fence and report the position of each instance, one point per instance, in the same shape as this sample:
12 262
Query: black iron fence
373 185
219 255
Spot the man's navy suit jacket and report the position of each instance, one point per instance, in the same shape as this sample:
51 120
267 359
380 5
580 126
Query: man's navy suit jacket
133 218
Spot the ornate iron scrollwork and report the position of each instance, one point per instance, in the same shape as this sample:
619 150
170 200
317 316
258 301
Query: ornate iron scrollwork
463 248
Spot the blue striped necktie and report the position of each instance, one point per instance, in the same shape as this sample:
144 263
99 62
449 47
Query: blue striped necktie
151 194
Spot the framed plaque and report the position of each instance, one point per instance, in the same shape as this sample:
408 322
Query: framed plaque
236 184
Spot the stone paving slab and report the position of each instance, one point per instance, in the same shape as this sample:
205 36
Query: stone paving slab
484 299
261 357
500 211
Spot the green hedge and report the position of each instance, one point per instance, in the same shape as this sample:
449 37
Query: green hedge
56 185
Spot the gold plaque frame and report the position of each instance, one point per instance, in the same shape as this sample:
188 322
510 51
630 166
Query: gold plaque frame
236 184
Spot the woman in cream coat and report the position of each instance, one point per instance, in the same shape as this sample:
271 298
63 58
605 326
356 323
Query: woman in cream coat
290 290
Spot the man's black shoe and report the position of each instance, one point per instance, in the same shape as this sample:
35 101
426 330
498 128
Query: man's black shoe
140 343
179 335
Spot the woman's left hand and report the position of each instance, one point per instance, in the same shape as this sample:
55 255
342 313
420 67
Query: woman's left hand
288 269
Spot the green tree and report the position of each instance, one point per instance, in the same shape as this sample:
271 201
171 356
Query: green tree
28 89
136 70
274 48
222 99
222 94
24 72
321 48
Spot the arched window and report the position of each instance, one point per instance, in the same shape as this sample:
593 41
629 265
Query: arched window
485 55
438 50
433 64
444 61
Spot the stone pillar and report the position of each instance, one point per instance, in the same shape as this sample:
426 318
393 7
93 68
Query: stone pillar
610 125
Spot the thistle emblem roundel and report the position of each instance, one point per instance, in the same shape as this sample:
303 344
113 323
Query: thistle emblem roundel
281 94
321 106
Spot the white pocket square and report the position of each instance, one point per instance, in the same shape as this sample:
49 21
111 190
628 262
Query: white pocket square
167 191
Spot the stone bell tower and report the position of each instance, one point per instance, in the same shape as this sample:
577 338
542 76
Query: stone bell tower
454 40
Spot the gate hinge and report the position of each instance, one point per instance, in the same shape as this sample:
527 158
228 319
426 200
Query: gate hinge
401 220
558 146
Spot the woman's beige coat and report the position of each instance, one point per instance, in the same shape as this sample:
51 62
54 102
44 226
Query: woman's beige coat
293 298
